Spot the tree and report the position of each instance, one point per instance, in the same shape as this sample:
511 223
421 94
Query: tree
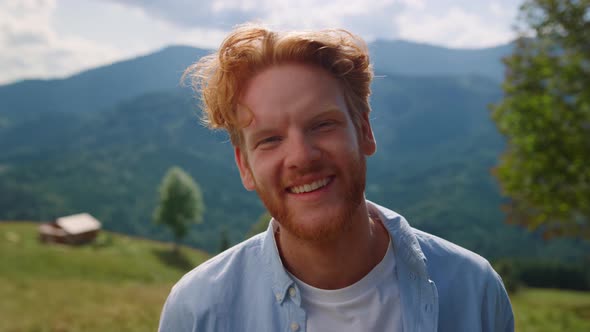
545 116
260 226
181 203
224 243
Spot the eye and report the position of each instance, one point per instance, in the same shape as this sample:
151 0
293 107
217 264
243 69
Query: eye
324 125
268 142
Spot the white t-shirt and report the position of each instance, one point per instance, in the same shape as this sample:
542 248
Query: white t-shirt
370 304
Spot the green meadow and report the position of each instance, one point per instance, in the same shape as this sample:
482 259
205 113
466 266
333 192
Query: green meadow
120 283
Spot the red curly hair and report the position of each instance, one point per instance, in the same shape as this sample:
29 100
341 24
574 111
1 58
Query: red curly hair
222 76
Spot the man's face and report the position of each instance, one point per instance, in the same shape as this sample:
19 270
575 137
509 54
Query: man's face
301 151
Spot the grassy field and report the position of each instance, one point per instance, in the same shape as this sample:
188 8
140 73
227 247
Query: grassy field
549 310
120 283
117 284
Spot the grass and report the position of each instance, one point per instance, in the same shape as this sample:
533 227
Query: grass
120 284
549 310
117 284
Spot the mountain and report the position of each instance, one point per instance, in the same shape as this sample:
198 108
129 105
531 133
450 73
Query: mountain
408 58
99 88
103 87
111 163
436 146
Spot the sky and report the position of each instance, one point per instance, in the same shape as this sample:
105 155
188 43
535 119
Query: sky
58 38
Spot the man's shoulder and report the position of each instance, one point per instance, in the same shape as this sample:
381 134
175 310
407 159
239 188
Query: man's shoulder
465 282
438 249
199 299
451 265
213 277
415 243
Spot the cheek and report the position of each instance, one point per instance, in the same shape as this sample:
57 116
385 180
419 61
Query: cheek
349 143
264 169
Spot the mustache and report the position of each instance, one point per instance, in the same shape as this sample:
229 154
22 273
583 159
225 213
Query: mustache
311 169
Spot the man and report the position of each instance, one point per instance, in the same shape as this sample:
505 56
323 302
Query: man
296 108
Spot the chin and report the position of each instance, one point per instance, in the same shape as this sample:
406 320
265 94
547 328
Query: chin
322 226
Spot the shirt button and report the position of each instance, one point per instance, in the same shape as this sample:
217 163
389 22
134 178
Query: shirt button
292 292
294 326
278 296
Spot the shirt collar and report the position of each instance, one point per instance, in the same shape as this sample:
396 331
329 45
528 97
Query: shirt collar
278 275
405 245
404 240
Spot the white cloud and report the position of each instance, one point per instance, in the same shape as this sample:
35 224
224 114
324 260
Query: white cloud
313 14
31 47
357 15
414 4
198 13
453 23
49 38
456 27
129 29
57 38
502 11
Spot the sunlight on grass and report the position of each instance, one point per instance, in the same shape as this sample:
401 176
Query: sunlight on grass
80 305
548 310
118 283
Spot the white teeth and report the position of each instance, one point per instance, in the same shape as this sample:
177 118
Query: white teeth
309 187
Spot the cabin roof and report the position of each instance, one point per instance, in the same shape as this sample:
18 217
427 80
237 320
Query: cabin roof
78 223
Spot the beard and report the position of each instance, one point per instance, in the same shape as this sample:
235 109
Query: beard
333 220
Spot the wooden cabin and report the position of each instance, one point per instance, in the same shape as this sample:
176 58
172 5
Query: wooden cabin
75 229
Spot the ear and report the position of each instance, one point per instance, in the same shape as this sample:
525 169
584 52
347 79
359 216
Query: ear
367 140
245 172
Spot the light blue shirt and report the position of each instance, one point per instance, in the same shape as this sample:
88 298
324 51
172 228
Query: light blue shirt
442 287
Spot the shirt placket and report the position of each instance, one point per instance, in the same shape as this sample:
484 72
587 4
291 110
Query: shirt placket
290 301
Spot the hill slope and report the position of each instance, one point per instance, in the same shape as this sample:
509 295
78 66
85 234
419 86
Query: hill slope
117 284
94 90
121 283
409 58
432 165
101 140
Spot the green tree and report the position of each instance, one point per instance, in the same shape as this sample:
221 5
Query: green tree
181 203
545 116
224 243
260 226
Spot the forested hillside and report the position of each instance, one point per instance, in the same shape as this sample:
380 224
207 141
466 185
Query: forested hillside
101 141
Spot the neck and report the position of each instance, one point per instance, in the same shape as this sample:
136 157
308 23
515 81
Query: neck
341 261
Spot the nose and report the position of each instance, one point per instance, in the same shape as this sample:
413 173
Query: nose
302 151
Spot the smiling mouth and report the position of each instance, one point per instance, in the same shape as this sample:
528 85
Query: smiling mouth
309 187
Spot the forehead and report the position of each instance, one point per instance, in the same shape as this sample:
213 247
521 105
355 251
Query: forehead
289 90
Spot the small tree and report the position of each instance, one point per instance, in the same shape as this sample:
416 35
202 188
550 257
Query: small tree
224 243
181 203
260 226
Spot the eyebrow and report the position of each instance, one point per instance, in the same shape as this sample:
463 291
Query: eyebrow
329 110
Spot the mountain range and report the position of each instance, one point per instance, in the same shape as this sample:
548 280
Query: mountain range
100 141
